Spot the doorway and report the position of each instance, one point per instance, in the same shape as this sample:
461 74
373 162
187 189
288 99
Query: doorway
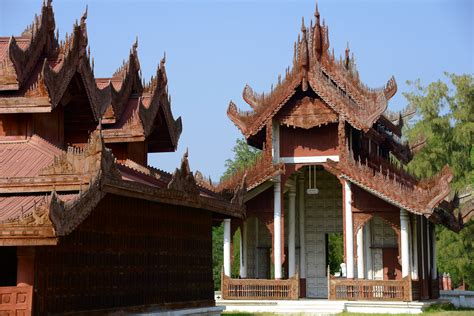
8 266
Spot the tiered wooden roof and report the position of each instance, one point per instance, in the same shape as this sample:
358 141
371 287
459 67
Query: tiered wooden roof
36 69
47 189
334 93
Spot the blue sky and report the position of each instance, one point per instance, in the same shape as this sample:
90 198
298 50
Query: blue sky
214 48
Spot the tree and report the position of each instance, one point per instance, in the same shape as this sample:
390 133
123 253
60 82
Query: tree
217 254
244 156
445 117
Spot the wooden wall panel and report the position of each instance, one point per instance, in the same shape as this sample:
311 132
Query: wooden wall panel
14 126
316 141
50 126
128 252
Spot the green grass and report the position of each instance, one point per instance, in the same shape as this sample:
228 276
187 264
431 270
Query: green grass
446 309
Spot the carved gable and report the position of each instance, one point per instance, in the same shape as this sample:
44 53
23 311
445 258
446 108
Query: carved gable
307 113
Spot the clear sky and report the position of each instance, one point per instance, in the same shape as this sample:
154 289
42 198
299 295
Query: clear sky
214 48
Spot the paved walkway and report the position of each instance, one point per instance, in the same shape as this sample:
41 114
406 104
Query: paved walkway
322 306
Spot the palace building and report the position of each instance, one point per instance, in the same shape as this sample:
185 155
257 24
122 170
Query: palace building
85 224
332 167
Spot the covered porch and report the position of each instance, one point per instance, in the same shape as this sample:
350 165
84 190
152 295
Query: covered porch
314 235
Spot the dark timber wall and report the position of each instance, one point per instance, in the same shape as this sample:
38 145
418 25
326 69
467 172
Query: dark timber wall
128 252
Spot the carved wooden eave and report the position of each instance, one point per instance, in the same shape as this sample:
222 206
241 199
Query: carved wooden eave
337 83
66 216
129 77
74 58
160 100
17 66
171 196
418 197
130 131
261 171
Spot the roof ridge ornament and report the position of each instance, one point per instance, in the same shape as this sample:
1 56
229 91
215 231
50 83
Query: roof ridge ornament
183 179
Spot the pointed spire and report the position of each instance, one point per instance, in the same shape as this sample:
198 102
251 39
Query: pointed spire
316 13
347 57
135 45
304 58
84 15
163 60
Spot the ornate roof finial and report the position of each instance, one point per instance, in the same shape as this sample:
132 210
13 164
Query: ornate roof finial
135 45
84 16
303 57
347 59
316 13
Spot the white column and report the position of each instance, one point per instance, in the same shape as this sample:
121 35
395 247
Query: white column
227 246
434 268
368 251
415 249
277 228
360 253
291 231
243 251
349 231
301 213
404 243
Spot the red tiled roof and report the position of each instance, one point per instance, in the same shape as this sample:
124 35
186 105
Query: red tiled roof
132 171
14 206
23 42
26 158
104 82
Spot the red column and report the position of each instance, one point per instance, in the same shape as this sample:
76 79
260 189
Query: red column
25 274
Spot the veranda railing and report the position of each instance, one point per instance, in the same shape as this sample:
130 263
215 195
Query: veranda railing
259 289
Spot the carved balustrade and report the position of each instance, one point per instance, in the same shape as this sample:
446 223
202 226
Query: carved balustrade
260 289
380 290
16 300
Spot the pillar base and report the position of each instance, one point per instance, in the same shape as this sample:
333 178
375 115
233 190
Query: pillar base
302 288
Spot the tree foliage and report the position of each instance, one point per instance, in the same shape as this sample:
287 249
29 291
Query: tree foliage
217 254
335 252
455 254
244 156
445 117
